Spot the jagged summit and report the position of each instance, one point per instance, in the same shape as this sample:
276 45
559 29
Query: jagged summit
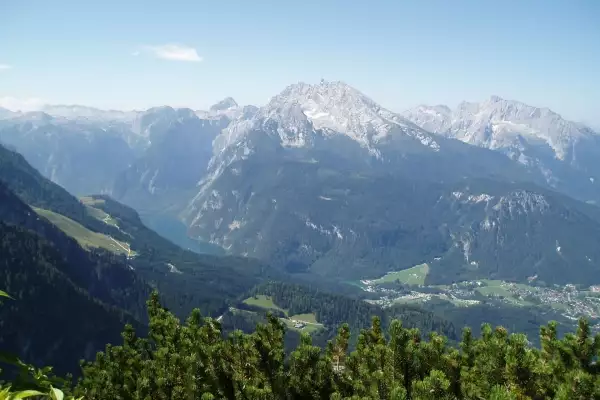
340 108
499 123
563 151
225 104
303 111
335 105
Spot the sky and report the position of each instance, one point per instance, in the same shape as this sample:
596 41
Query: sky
136 54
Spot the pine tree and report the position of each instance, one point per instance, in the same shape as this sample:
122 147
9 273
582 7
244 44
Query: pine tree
194 360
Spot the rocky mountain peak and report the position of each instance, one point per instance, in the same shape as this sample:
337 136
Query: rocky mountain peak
498 123
225 104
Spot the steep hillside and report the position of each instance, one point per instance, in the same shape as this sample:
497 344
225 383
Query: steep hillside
56 287
36 190
97 286
103 275
515 232
174 160
82 156
325 181
185 279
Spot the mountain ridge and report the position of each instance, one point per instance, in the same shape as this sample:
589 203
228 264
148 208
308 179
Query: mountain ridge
565 152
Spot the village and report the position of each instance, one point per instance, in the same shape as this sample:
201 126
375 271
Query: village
569 300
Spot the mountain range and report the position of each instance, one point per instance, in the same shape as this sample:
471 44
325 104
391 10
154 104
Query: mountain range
319 187
86 267
62 261
324 180
565 152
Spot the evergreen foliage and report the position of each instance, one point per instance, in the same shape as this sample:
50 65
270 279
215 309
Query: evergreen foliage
50 318
332 310
91 294
207 282
193 360
30 381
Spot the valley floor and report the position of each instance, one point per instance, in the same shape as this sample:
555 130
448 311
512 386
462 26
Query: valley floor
408 286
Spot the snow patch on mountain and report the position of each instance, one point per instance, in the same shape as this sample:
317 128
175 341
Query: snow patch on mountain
302 114
470 198
227 103
335 230
502 124
235 225
226 108
338 107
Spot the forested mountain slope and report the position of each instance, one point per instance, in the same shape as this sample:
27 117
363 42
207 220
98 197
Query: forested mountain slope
102 274
97 287
325 312
193 360
185 279
67 302
323 180
201 281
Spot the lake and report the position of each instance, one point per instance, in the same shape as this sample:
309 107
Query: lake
171 228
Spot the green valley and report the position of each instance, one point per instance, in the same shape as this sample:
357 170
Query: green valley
566 303
410 276
263 301
85 237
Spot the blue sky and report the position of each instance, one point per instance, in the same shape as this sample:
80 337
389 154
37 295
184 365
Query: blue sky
136 54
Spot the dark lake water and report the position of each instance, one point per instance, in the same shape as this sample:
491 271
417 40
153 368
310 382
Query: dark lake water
176 231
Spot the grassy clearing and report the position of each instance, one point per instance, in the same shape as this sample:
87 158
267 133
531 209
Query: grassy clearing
495 282
411 276
264 302
84 236
310 318
90 201
102 216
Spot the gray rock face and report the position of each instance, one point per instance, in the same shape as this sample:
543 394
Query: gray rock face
324 180
565 152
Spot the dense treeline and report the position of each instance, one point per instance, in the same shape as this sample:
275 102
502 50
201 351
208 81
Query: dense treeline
525 320
334 309
50 320
67 302
193 360
102 274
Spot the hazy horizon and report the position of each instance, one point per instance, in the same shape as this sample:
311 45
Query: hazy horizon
136 55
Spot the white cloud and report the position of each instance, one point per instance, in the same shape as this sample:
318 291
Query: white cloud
174 52
4 67
26 104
